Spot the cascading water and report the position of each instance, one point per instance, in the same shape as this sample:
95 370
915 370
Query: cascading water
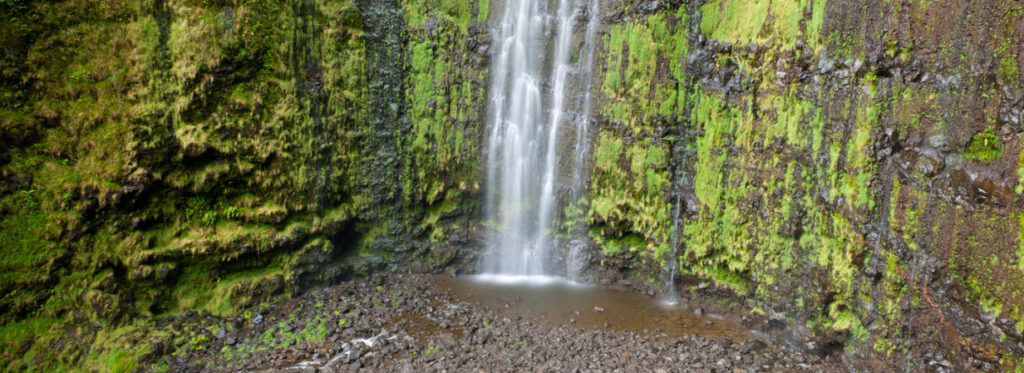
522 151
574 263
583 120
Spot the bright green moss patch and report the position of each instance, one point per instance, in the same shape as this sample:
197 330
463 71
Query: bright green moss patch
645 69
201 288
755 21
461 12
485 11
446 95
13 336
437 211
628 196
984 146
629 208
118 350
854 184
24 231
1008 56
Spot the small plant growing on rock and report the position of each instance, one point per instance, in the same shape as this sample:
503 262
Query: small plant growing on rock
984 146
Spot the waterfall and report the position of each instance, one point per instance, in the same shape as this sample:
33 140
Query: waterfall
574 264
527 109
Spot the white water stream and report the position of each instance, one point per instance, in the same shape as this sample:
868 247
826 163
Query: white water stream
575 262
531 71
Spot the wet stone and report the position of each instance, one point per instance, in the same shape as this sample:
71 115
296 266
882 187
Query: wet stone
490 340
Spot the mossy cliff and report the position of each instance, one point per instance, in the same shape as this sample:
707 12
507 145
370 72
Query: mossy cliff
163 157
848 168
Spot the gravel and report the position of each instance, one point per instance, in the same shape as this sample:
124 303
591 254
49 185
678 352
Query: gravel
405 323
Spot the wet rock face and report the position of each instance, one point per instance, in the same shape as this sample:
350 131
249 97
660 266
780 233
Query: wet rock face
830 171
850 165
233 154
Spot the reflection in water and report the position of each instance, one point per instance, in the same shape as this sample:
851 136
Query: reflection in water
558 302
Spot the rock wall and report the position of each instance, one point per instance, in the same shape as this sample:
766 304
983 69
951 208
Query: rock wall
848 168
162 157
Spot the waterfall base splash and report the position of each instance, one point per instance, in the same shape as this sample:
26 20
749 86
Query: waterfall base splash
522 280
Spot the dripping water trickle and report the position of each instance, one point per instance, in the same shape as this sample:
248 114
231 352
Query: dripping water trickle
673 261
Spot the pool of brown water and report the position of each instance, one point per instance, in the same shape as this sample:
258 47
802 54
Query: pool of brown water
559 302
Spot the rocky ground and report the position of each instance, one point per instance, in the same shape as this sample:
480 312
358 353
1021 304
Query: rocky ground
409 323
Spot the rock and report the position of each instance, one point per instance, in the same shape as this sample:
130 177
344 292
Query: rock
528 342
930 162
221 333
598 309
960 184
992 188
256 320
699 312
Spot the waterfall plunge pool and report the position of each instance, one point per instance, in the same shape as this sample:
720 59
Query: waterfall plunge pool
559 302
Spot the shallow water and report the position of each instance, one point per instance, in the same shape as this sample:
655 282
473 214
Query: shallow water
560 302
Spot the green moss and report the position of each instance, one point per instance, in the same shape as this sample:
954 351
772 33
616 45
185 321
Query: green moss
446 96
753 21
200 288
1005 53
628 206
435 213
710 252
484 9
630 201
118 350
15 336
24 232
991 276
645 69
250 130
984 146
